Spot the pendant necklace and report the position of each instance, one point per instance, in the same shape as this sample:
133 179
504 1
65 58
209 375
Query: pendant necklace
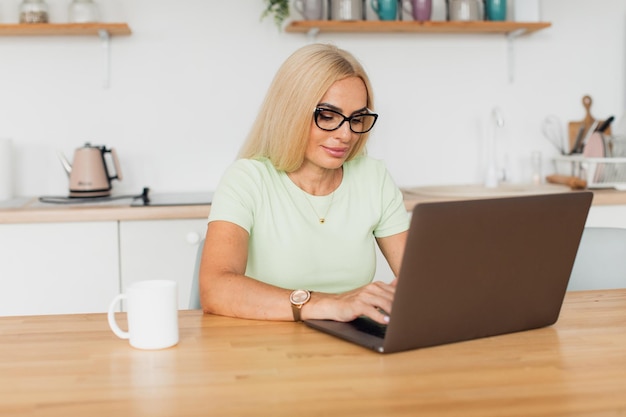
322 219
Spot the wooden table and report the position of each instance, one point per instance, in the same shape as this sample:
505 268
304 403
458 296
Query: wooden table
72 365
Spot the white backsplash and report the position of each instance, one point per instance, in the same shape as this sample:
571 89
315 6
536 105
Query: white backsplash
186 86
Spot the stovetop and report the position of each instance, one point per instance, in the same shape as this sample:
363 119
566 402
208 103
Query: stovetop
146 199
174 199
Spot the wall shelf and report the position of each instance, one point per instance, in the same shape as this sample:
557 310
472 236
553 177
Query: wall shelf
511 30
63 29
103 30
375 26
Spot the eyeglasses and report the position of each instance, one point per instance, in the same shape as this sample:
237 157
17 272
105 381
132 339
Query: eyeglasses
330 120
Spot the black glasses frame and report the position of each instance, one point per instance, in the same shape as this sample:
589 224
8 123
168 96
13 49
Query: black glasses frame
318 110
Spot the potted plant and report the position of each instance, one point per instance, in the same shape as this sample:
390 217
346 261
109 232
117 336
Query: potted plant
279 9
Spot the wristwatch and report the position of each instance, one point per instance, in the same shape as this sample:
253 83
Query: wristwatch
298 298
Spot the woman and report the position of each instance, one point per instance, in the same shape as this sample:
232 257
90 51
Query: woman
294 221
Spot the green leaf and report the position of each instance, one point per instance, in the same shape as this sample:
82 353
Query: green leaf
278 8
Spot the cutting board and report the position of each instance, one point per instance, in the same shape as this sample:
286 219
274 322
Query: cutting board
574 127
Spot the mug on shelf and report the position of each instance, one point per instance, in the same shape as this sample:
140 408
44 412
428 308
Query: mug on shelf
421 10
347 10
152 312
310 9
439 11
495 10
83 11
465 10
386 9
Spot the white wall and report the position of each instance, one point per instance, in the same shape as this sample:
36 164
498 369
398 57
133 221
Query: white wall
187 83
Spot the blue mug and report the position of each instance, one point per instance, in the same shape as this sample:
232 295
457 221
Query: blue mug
386 9
496 10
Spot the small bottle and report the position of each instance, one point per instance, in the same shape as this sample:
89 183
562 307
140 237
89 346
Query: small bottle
83 11
535 166
33 11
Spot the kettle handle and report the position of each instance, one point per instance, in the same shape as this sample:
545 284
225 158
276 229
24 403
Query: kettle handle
116 164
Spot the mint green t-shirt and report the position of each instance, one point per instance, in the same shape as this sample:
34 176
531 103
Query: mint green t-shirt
288 245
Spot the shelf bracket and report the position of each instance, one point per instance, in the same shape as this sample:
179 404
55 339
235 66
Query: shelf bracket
105 39
312 34
510 57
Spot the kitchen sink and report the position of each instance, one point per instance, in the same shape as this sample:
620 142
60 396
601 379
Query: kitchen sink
480 191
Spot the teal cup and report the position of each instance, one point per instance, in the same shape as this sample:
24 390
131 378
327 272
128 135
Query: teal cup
386 9
496 10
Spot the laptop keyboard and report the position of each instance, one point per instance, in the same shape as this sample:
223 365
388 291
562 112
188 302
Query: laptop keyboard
369 326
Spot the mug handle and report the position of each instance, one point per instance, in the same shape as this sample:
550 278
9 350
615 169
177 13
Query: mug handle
111 317
407 6
374 4
299 6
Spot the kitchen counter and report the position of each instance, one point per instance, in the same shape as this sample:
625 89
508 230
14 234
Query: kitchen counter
415 195
30 210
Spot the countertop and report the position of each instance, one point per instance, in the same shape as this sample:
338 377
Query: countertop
415 195
30 210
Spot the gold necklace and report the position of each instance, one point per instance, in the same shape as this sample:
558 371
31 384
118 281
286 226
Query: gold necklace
322 219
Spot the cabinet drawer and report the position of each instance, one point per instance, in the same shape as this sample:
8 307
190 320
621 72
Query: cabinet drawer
58 268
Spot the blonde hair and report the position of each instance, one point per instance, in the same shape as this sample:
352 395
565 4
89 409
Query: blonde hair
281 130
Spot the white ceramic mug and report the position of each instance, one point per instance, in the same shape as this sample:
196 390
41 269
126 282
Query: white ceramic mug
465 10
152 311
347 10
439 11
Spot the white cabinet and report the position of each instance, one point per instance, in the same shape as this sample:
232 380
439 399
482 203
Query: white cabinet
58 268
607 216
79 267
161 249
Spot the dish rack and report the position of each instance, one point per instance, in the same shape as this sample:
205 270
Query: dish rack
598 172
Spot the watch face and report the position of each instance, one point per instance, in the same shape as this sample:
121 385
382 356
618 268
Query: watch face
300 296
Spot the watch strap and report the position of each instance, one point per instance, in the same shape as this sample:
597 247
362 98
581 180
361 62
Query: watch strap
296 310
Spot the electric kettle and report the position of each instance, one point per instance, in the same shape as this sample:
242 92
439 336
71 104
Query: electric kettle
89 174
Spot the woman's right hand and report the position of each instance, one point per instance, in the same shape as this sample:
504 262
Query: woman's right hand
373 300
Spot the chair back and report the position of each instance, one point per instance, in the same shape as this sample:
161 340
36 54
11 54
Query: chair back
194 297
601 260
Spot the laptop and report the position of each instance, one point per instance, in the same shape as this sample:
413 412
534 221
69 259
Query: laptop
477 268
